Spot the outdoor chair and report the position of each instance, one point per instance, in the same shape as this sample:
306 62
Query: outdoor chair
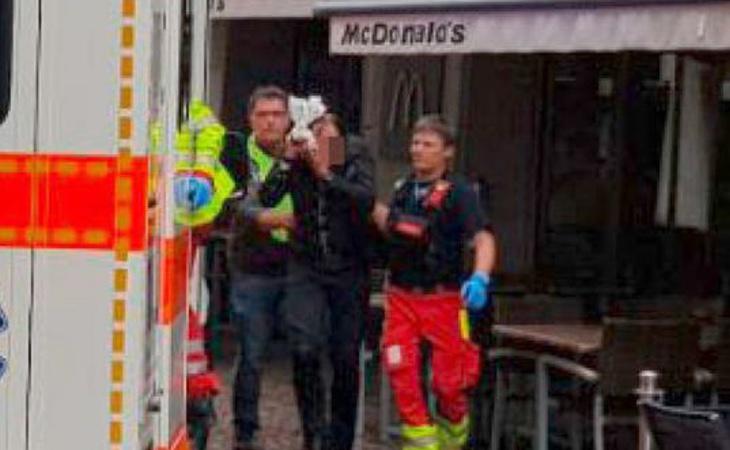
685 429
666 346
514 369
721 369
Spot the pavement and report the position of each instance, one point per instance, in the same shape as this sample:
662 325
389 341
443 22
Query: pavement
280 424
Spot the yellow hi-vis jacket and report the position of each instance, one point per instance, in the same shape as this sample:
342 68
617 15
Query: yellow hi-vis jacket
199 144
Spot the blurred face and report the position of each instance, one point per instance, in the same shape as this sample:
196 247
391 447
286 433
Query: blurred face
429 155
329 140
269 122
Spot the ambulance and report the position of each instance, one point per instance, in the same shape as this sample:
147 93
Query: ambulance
94 271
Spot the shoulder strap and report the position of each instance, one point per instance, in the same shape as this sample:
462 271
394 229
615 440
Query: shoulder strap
400 191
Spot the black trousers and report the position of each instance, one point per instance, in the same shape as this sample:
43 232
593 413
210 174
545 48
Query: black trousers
327 313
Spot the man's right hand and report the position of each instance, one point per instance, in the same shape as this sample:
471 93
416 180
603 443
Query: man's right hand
380 215
274 220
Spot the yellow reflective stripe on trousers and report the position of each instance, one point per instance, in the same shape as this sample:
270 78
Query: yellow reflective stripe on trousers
452 436
464 324
425 443
422 437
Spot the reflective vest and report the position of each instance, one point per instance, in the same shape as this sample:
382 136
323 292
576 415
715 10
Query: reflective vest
262 164
199 145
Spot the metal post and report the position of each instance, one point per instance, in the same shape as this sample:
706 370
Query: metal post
598 420
385 406
576 425
498 411
647 391
541 436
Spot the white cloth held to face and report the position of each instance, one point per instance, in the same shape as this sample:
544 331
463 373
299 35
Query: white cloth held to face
303 112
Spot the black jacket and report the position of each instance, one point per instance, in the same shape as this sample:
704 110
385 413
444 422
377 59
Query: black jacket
332 216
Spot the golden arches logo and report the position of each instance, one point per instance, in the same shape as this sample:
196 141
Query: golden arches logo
408 101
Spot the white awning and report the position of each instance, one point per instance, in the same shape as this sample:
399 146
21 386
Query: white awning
542 27
261 9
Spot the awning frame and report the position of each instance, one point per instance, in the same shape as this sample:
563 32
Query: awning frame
668 26
369 7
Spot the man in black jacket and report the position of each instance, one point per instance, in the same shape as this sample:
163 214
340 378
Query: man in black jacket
331 183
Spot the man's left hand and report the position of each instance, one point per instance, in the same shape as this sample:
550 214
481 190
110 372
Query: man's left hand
475 291
294 149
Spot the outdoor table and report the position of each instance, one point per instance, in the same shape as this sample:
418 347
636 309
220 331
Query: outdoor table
578 341
572 348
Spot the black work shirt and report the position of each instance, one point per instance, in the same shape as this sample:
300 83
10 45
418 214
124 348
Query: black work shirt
332 215
440 259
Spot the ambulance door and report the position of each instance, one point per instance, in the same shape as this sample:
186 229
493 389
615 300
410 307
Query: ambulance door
172 245
198 68
157 123
157 145
175 250
89 225
18 61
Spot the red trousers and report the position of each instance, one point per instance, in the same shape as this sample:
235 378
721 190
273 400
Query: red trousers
411 319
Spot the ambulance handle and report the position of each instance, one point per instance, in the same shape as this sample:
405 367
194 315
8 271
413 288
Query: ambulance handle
154 404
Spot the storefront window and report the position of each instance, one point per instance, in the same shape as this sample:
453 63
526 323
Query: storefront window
6 46
607 116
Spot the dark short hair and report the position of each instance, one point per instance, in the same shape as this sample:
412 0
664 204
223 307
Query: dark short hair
335 120
268 92
436 124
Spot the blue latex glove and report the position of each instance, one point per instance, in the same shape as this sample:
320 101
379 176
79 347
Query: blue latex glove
475 291
192 192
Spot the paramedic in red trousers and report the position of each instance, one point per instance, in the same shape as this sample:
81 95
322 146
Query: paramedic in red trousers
331 183
432 223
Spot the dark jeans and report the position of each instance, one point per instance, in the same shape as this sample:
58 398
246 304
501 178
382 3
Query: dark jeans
329 310
256 303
